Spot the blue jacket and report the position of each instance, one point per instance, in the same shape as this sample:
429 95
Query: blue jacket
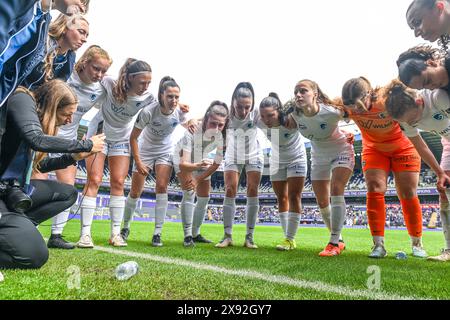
61 70
14 15
25 60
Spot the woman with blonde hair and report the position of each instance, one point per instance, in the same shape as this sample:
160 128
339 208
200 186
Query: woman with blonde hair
85 81
332 156
66 36
33 120
124 99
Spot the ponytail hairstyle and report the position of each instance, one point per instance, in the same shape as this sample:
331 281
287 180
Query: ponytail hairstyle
273 100
243 90
132 67
57 30
220 109
355 90
50 97
90 54
321 96
413 62
399 99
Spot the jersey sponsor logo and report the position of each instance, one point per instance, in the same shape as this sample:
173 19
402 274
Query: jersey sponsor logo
302 127
324 126
156 124
117 109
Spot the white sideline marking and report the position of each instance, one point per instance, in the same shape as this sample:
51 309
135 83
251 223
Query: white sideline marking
301 284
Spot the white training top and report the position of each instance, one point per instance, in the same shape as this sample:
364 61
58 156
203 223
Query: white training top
120 119
323 128
156 138
242 139
201 147
88 96
288 145
435 116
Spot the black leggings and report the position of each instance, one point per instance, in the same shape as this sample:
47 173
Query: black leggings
49 199
21 244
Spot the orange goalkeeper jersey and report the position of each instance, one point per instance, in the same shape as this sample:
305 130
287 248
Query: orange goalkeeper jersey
379 130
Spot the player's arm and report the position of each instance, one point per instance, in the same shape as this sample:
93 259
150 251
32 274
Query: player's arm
430 160
141 168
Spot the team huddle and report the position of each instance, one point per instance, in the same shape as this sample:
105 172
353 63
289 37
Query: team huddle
136 125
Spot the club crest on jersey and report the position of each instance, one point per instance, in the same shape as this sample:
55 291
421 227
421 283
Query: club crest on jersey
250 125
383 116
93 97
175 124
138 105
438 116
287 135
323 126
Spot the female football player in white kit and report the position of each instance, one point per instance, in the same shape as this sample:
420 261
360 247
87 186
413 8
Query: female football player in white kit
154 151
124 99
332 156
85 81
288 166
428 111
243 150
194 168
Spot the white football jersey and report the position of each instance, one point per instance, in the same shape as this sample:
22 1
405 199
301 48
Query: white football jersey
88 96
156 138
202 148
323 128
242 138
288 145
120 119
435 117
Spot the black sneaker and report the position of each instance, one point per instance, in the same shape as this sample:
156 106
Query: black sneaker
201 239
156 241
56 241
188 242
125 233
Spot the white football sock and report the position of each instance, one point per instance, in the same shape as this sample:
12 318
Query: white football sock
187 212
87 214
199 214
130 208
116 209
162 201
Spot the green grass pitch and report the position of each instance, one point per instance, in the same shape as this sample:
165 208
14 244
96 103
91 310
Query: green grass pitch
325 278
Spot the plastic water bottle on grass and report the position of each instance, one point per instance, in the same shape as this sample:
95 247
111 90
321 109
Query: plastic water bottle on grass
126 270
